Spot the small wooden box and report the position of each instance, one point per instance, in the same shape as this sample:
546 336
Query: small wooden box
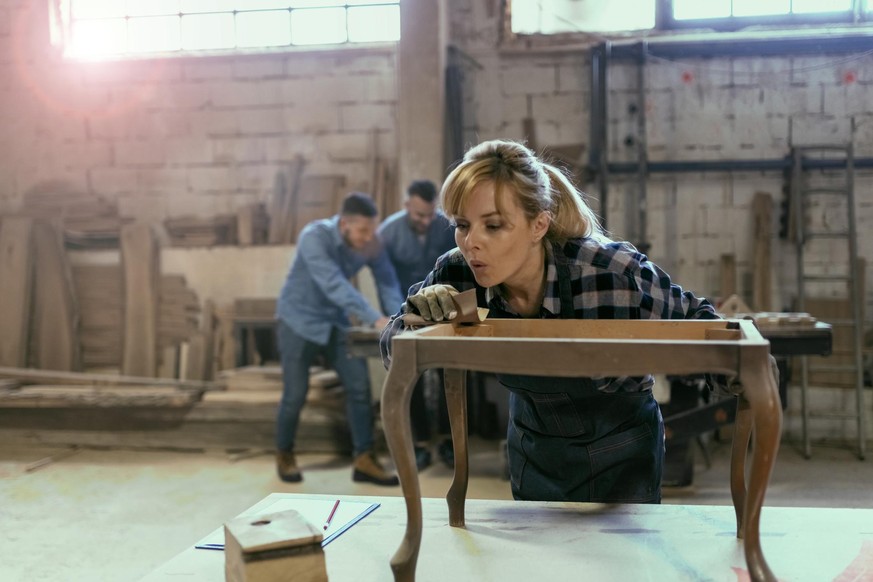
278 547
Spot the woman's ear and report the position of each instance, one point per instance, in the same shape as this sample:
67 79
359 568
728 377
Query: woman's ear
540 225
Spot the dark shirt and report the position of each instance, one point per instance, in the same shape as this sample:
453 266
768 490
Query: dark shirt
413 257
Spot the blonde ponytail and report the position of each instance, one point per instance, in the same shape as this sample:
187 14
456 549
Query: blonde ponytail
571 215
537 187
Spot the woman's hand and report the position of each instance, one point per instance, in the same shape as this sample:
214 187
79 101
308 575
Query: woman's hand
434 303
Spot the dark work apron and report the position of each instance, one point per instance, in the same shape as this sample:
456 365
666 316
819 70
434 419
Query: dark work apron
568 441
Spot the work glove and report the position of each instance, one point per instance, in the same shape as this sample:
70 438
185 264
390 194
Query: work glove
434 303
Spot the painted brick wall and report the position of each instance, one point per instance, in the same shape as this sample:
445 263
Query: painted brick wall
696 109
174 137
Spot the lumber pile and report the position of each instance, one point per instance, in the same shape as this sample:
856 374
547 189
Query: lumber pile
254 309
191 231
179 312
86 219
98 290
28 388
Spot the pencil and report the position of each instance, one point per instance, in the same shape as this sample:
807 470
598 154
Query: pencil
330 517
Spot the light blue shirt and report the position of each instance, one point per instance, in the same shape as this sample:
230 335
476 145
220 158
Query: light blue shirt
414 257
318 293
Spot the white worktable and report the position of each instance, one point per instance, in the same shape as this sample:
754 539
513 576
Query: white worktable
512 540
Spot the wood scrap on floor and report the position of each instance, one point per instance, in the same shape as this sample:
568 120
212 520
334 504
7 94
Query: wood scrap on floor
46 461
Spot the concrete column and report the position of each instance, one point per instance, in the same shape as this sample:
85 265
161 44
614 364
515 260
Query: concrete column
421 99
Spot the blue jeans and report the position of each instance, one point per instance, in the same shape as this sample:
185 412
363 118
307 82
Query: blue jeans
297 356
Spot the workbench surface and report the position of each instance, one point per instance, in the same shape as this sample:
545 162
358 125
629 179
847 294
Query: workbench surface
514 540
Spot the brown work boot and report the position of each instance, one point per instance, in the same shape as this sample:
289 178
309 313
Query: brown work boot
286 467
367 469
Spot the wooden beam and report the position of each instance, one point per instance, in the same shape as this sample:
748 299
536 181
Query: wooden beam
762 208
16 274
140 265
31 376
728 276
55 323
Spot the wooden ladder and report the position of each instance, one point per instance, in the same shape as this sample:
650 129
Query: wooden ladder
838 194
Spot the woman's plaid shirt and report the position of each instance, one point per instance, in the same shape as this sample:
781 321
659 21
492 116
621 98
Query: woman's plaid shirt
608 280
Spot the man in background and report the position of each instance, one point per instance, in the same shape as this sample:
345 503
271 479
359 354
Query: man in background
414 238
313 318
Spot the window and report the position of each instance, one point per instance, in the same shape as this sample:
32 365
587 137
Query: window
112 28
555 16
694 9
601 16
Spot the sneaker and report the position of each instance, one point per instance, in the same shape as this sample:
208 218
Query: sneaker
446 451
368 470
286 467
422 458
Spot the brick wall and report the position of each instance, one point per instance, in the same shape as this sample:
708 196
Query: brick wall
696 109
189 136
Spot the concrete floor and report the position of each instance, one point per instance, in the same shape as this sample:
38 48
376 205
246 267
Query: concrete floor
115 515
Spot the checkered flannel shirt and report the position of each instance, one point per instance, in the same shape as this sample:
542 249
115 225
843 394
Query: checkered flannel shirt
609 280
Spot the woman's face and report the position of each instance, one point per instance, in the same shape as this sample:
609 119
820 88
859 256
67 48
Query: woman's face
501 248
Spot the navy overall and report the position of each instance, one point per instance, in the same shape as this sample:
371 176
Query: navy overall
568 441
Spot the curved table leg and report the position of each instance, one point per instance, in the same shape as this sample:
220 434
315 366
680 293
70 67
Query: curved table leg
762 393
396 423
456 400
739 450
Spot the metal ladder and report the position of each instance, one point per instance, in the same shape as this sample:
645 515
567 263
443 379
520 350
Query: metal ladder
826 157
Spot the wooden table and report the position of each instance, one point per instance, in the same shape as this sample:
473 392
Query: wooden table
511 541
573 348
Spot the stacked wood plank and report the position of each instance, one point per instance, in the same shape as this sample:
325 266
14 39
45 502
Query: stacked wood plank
179 312
254 309
192 231
87 220
99 292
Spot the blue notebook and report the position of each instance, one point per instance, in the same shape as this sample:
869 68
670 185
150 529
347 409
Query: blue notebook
316 511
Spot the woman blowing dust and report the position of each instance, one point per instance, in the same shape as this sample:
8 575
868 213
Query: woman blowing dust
532 248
